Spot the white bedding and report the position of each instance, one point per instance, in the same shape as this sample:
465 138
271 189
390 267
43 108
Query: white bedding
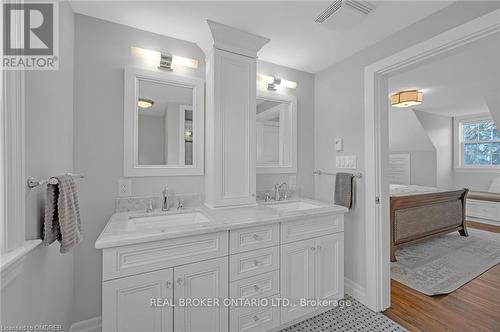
406 190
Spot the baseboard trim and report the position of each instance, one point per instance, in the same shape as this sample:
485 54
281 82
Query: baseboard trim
89 325
355 290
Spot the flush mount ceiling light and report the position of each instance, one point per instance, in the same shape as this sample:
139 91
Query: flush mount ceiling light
164 61
273 82
407 98
145 103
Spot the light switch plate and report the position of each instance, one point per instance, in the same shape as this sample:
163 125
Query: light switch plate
124 187
347 162
339 144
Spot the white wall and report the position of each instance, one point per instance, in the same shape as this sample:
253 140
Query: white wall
339 113
102 50
43 292
440 131
407 135
305 128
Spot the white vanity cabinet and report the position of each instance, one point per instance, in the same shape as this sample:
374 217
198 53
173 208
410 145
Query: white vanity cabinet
292 260
126 303
311 269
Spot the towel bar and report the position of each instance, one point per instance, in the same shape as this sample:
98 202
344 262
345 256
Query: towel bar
34 182
320 172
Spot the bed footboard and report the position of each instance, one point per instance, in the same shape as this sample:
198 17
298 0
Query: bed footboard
422 216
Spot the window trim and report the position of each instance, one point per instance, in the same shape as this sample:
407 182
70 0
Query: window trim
458 144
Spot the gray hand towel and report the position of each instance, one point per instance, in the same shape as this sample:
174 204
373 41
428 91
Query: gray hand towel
344 189
62 214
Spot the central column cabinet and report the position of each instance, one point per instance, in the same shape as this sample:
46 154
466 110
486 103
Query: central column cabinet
230 165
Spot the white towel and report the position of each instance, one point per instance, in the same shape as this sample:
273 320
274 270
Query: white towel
62 214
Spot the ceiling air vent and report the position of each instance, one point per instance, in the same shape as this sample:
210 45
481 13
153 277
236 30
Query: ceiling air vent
344 14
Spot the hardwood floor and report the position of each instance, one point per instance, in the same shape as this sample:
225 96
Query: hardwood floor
473 307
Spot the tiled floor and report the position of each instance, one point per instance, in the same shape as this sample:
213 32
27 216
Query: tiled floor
353 318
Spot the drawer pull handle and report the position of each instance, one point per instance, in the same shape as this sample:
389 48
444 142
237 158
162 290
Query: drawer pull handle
180 281
256 263
318 247
168 284
313 248
256 237
256 318
257 289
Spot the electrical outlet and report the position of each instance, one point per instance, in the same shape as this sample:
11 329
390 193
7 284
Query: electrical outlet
124 187
292 181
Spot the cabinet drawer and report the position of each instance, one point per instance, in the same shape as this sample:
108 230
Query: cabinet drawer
255 319
145 257
259 286
484 210
253 238
311 227
255 262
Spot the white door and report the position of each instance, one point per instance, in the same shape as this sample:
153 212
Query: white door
329 269
297 277
198 281
127 303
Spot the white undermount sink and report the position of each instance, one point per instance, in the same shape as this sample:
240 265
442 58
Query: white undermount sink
293 206
163 221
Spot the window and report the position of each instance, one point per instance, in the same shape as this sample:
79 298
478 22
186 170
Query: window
479 143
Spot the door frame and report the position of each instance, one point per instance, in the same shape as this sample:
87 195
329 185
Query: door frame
377 142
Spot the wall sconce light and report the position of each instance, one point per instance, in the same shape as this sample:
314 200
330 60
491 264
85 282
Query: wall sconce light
407 98
145 103
273 82
164 61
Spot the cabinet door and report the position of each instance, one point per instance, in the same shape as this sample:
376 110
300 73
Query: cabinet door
198 281
297 277
329 267
127 303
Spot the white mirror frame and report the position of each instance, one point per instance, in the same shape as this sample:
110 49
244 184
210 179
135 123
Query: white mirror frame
131 160
292 101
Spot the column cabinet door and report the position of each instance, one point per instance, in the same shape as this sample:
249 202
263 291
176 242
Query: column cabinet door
127 303
203 280
297 277
329 267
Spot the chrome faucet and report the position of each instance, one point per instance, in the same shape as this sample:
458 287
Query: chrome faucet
164 202
268 196
277 196
285 192
180 204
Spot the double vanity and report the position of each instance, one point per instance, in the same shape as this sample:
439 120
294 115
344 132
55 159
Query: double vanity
235 269
230 264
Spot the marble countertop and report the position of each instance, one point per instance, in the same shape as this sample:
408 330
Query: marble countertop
121 230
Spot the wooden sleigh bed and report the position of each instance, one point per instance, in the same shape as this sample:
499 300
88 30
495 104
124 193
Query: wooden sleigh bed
419 213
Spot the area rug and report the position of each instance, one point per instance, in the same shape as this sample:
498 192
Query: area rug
354 317
443 264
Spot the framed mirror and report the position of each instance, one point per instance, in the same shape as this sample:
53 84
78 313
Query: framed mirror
163 124
276 133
